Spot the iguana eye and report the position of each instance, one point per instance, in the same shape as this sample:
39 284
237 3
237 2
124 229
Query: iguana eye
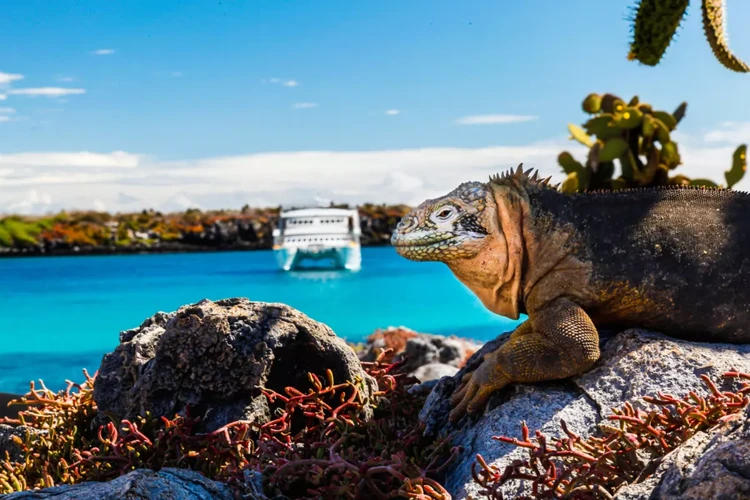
445 213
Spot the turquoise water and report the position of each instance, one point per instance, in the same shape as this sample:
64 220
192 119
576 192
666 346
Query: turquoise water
60 314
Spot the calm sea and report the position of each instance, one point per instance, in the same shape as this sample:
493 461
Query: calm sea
61 314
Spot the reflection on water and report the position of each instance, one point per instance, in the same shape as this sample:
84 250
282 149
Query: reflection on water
320 275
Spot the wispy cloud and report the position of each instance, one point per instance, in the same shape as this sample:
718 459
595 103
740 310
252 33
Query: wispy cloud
7 111
4 118
393 112
103 52
305 105
80 159
3 97
47 91
730 132
7 78
494 119
66 79
79 179
282 81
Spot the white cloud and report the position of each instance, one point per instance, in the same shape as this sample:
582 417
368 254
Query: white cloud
494 119
305 105
99 206
393 112
82 159
66 79
4 118
31 202
730 132
283 81
7 78
47 91
3 97
103 52
7 111
127 181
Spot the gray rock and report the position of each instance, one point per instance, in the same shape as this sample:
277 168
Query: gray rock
434 371
633 364
6 440
420 351
453 351
215 356
140 484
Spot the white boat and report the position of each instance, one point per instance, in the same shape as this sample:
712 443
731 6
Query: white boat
318 234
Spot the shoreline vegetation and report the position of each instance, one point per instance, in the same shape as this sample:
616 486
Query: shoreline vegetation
151 231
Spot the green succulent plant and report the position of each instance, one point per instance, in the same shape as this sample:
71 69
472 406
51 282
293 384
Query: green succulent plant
655 24
639 139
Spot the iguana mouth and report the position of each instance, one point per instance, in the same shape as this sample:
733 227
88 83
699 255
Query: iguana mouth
421 242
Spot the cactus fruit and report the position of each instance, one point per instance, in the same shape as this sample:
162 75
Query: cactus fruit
639 139
656 22
592 104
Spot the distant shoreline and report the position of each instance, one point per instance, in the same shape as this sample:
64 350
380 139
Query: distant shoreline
182 249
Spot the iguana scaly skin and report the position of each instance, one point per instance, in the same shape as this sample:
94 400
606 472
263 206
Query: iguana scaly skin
674 260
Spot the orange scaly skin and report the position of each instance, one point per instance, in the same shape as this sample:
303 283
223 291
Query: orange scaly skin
674 260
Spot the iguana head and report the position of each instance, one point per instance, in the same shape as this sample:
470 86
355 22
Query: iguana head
448 228
477 230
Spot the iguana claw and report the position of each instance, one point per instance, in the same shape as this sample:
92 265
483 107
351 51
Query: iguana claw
476 388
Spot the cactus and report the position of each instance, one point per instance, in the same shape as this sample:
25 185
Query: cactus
655 24
636 136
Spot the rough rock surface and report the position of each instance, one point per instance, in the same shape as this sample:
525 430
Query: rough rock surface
633 364
167 484
214 356
428 356
6 440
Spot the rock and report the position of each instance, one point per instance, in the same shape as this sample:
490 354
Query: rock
214 357
419 349
6 440
434 371
709 465
140 484
634 363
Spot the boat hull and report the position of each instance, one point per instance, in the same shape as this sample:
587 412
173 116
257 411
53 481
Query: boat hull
292 259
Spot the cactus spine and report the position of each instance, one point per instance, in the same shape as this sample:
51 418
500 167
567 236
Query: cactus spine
655 24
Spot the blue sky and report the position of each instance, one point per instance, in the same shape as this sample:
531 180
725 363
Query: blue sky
216 103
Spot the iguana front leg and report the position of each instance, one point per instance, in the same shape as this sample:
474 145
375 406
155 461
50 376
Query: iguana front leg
556 342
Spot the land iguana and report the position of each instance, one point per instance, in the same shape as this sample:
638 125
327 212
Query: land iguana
670 259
